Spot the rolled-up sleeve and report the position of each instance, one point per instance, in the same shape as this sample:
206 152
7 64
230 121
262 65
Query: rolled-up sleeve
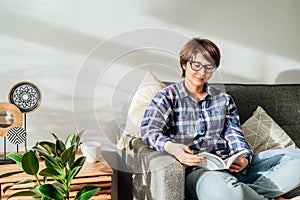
233 132
155 123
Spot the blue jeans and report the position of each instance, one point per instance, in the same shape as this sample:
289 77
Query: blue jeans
272 173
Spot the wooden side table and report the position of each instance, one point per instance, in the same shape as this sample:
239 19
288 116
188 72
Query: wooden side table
99 174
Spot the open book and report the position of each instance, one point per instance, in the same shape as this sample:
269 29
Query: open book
214 162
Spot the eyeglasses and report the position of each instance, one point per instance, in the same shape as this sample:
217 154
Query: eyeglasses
197 66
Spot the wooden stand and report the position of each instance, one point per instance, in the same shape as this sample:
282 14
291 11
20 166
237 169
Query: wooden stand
98 174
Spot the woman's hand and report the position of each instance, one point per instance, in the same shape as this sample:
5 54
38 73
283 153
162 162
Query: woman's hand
239 164
182 153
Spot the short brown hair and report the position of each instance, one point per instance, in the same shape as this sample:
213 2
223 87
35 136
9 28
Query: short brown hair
198 45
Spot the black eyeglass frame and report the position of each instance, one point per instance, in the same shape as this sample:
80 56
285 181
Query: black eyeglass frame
206 69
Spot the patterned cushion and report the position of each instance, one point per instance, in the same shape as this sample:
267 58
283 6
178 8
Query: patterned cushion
263 133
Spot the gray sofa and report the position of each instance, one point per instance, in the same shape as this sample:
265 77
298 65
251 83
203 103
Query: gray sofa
281 102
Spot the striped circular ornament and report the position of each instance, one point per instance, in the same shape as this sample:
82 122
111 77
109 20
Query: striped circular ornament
16 135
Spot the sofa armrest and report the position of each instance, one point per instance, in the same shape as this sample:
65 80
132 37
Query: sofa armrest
137 145
163 176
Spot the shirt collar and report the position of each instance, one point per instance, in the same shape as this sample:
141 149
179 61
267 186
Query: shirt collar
184 94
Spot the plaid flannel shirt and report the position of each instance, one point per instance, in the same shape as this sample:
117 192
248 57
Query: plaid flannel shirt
211 124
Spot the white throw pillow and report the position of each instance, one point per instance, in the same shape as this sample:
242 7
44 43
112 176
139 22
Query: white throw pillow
140 101
263 133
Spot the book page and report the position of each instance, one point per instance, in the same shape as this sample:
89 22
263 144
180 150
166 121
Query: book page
211 161
214 162
232 158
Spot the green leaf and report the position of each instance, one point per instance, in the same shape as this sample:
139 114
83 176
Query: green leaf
30 163
15 156
44 179
75 138
60 187
56 138
79 137
70 139
51 191
73 155
10 174
79 162
59 147
58 160
38 194
46 155
46 198
23 193
48 164
50 172
74 172
48 146
18 183
87 192
66 155
80 133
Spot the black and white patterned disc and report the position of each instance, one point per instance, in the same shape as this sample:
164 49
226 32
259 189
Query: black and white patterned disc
16 135
26 96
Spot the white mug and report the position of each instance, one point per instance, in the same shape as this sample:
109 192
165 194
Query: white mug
91 150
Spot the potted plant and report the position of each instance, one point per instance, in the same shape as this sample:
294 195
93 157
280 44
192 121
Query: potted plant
61 166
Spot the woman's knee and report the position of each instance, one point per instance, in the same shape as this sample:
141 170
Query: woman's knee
291 159
293 153
215 185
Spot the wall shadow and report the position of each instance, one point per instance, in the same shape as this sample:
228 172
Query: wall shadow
289 76
263 25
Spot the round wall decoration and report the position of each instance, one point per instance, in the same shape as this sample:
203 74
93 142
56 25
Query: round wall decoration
10 115
26 96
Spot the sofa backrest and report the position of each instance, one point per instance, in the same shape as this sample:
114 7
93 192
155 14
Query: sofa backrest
280 101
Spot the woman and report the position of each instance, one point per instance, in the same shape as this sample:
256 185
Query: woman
190 116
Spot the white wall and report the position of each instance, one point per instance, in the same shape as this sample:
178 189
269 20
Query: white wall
58 44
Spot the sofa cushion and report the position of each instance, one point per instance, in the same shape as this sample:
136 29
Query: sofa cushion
263 133
140 101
